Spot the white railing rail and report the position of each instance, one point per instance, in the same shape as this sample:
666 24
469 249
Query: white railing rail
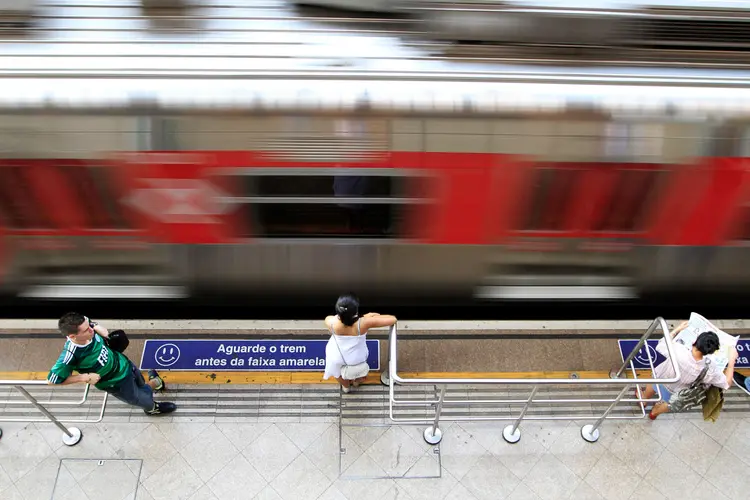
511 433
71 435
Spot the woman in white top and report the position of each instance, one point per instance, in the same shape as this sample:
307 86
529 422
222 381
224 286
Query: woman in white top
347 345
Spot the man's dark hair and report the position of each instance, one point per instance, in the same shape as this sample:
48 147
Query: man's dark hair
69 323
707 343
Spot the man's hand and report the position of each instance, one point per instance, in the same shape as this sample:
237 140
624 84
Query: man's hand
99 329
679 328
93 378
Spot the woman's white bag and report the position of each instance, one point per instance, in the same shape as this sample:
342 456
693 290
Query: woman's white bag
352 372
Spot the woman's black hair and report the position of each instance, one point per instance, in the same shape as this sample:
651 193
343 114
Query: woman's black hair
707 343
347 309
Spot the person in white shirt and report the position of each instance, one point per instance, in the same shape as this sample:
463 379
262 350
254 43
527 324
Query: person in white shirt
691 360
348 342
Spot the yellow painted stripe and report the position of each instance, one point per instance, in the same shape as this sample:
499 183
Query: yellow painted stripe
317 377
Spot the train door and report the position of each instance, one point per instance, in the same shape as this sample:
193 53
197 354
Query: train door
706 248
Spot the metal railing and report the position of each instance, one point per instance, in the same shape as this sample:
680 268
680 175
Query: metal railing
71 435
512 433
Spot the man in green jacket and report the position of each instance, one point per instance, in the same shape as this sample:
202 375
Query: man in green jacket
86 352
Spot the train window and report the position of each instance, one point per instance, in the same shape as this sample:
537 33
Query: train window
628 208
322 185
633 141
17 205
552 194
348 203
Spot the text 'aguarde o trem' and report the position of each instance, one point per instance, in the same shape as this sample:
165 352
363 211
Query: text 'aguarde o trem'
259 349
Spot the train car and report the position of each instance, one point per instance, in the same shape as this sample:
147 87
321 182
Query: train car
402 190
675 24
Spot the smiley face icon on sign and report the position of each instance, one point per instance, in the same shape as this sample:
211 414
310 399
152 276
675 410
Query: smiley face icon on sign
167 355
642 357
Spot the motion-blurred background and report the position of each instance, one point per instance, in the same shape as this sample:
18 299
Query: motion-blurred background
493 158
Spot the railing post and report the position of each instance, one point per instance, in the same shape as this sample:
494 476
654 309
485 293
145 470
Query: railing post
635 350
385 377
433 434
511 433
590 432
71 436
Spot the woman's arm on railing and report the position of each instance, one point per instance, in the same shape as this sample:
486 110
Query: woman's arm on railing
375 320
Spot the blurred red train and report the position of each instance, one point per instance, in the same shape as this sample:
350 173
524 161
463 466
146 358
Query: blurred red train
431 202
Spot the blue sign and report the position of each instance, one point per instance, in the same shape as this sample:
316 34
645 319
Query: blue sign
743 351
243 355
640 361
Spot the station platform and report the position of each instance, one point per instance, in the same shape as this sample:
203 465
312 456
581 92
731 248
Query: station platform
290 435
426 346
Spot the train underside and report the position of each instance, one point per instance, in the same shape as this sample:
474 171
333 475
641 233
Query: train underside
398 274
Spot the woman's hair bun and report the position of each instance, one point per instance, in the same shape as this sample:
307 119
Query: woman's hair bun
347 308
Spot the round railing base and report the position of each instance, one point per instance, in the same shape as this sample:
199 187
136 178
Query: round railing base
385 378
511 436
431 438
74 439
589 433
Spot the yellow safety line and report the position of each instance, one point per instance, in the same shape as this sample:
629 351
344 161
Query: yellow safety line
317 377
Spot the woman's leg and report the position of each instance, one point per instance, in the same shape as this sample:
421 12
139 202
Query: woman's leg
344 383
649 392
662 406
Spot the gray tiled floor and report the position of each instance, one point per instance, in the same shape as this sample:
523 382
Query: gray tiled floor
681 458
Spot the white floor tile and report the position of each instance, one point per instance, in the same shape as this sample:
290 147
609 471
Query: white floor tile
271 452
294 458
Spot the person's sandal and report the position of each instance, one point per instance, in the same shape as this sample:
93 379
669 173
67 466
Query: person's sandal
651 413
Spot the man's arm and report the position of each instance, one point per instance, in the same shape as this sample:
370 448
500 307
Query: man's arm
84 378
661 347
62 372
729 370
679 328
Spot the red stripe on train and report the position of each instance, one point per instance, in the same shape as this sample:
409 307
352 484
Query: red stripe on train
175 197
